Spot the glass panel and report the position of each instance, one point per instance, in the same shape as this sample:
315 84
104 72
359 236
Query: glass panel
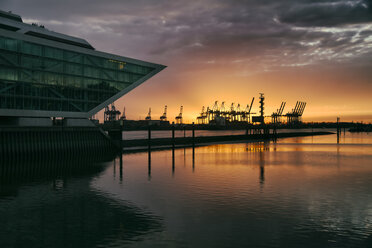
30 48
53 65
8 44
8 58
8 74
53 53
73 57
74 69
31 62
94 61
91 72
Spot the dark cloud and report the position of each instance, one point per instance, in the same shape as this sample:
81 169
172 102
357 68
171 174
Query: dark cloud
259 33
332 13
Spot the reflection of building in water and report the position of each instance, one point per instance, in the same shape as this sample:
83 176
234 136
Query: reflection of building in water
60 209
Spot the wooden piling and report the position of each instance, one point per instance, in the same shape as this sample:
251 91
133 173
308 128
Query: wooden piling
149 138
173 138
193 134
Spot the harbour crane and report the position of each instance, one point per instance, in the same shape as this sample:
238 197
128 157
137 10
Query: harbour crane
275 117
111 114
123 117
238 113
295 115
232 113
202 117
164 116
179 116
246 115
223 111
148 117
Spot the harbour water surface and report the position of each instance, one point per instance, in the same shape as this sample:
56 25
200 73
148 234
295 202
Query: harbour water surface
297 192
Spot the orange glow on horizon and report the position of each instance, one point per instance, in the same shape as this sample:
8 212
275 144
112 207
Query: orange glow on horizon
328 94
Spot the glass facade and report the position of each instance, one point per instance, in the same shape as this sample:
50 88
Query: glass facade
37 77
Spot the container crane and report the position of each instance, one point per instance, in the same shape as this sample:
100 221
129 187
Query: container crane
111 114
164 116
148 117
247 112
202 117
179 116
123 117
275 117
295 115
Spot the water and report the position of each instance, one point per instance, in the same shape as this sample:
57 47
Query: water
298 192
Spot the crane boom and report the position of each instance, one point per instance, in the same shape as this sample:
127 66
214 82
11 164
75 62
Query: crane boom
250 107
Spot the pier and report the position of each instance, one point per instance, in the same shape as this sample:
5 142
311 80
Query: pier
178 142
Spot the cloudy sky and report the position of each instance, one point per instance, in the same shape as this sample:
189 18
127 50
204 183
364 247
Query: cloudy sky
229 50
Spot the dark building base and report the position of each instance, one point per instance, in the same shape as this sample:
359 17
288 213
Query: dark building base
35 143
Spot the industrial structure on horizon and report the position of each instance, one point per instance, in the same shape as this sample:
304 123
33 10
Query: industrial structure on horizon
219 114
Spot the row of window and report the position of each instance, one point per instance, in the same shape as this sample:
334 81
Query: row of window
60 79
43 91
69 56
36 63
11 102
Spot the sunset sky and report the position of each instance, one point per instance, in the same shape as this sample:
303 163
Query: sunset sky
319 52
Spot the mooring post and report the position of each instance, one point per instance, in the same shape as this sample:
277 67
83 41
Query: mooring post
173 140
122 136
193 134
173 146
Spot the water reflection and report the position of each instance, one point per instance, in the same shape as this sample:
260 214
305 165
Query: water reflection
173 161
52 204
309 192
261 148
149 165
293 193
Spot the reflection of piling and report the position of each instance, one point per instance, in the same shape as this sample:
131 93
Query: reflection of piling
262 166
193 158
121 168
149 152
149 165
338 130
173 164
